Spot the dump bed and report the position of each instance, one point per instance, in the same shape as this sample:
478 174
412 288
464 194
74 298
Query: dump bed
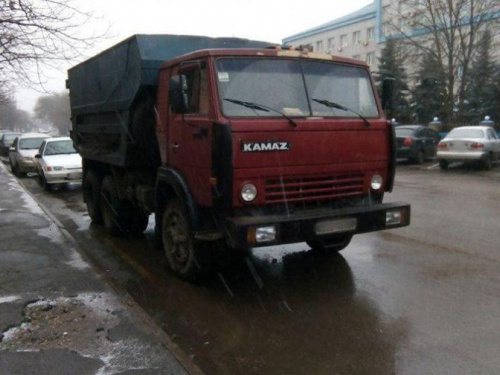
105 89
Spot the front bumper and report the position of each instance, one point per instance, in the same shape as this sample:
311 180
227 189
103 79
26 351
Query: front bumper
307 226
60 177
26 165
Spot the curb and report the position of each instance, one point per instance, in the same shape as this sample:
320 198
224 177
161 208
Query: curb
119 292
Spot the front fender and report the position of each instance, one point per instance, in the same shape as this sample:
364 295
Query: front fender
170 185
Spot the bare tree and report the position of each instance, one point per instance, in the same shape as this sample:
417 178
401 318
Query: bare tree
448 31
13 118
34 33
55 110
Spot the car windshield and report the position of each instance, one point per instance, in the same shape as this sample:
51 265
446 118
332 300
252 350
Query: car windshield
59 148
30 143
404 132
466 133
289 86
9 137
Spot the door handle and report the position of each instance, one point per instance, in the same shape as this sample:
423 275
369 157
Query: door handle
174 146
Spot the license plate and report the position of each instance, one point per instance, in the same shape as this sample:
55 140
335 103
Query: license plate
336 226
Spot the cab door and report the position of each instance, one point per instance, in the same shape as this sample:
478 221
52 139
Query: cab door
190 127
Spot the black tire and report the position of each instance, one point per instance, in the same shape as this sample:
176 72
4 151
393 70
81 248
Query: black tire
133 219
120 217
488 162
420 158
181 248
110 207
15 169
443 164
330 244
43 181
91 188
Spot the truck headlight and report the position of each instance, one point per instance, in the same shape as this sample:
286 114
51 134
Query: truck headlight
376 182
248 192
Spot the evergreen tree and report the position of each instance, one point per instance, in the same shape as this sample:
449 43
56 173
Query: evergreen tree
428 95
481 98
391 65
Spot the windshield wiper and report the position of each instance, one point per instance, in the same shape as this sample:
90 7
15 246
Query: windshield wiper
330 104
261 107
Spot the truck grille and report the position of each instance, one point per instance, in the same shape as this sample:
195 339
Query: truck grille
313 188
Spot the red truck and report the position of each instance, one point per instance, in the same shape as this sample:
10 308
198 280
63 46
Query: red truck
232 142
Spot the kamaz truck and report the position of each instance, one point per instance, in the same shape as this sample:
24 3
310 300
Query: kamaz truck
231 142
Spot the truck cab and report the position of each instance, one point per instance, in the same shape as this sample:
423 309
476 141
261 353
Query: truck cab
277 146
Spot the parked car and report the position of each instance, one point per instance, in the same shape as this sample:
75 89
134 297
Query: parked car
57 162
6 140
23 150
416 142
469 144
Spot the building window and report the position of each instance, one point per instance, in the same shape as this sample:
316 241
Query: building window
319 46
356 37
370 34
343 40
331 45
370 58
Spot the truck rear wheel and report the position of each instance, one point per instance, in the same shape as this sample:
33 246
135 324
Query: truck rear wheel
120 217
92 196
181 249
330 244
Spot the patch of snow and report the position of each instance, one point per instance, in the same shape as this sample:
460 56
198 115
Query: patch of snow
77 261
52 233
9 299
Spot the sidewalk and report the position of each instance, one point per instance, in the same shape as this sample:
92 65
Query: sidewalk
57 315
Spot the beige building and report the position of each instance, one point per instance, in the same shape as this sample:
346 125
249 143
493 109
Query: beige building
356 35
361 34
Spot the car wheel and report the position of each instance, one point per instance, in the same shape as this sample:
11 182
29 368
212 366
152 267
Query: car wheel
330 244
92 195
44 183
181 248
17 171
443 164
488 162
420 159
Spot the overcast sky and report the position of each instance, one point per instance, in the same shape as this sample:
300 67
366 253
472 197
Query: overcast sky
267 20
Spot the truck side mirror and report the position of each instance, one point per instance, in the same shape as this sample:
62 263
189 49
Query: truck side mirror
185 92
388 94
176 96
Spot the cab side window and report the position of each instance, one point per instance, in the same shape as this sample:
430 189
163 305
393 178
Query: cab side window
193 83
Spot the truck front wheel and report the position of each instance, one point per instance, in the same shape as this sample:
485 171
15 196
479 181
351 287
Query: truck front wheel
181 249
91 194
330 244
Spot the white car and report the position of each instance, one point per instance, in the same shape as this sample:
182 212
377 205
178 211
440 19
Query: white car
57 162
469 144
22 150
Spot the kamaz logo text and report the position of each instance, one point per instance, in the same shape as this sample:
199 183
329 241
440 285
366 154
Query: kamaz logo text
264 146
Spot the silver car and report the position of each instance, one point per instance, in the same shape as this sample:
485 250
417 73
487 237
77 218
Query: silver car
469 144
22 151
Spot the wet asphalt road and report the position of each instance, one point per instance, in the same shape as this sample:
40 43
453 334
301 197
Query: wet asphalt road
418 300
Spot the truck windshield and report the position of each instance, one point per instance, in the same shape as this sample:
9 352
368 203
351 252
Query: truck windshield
288 86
